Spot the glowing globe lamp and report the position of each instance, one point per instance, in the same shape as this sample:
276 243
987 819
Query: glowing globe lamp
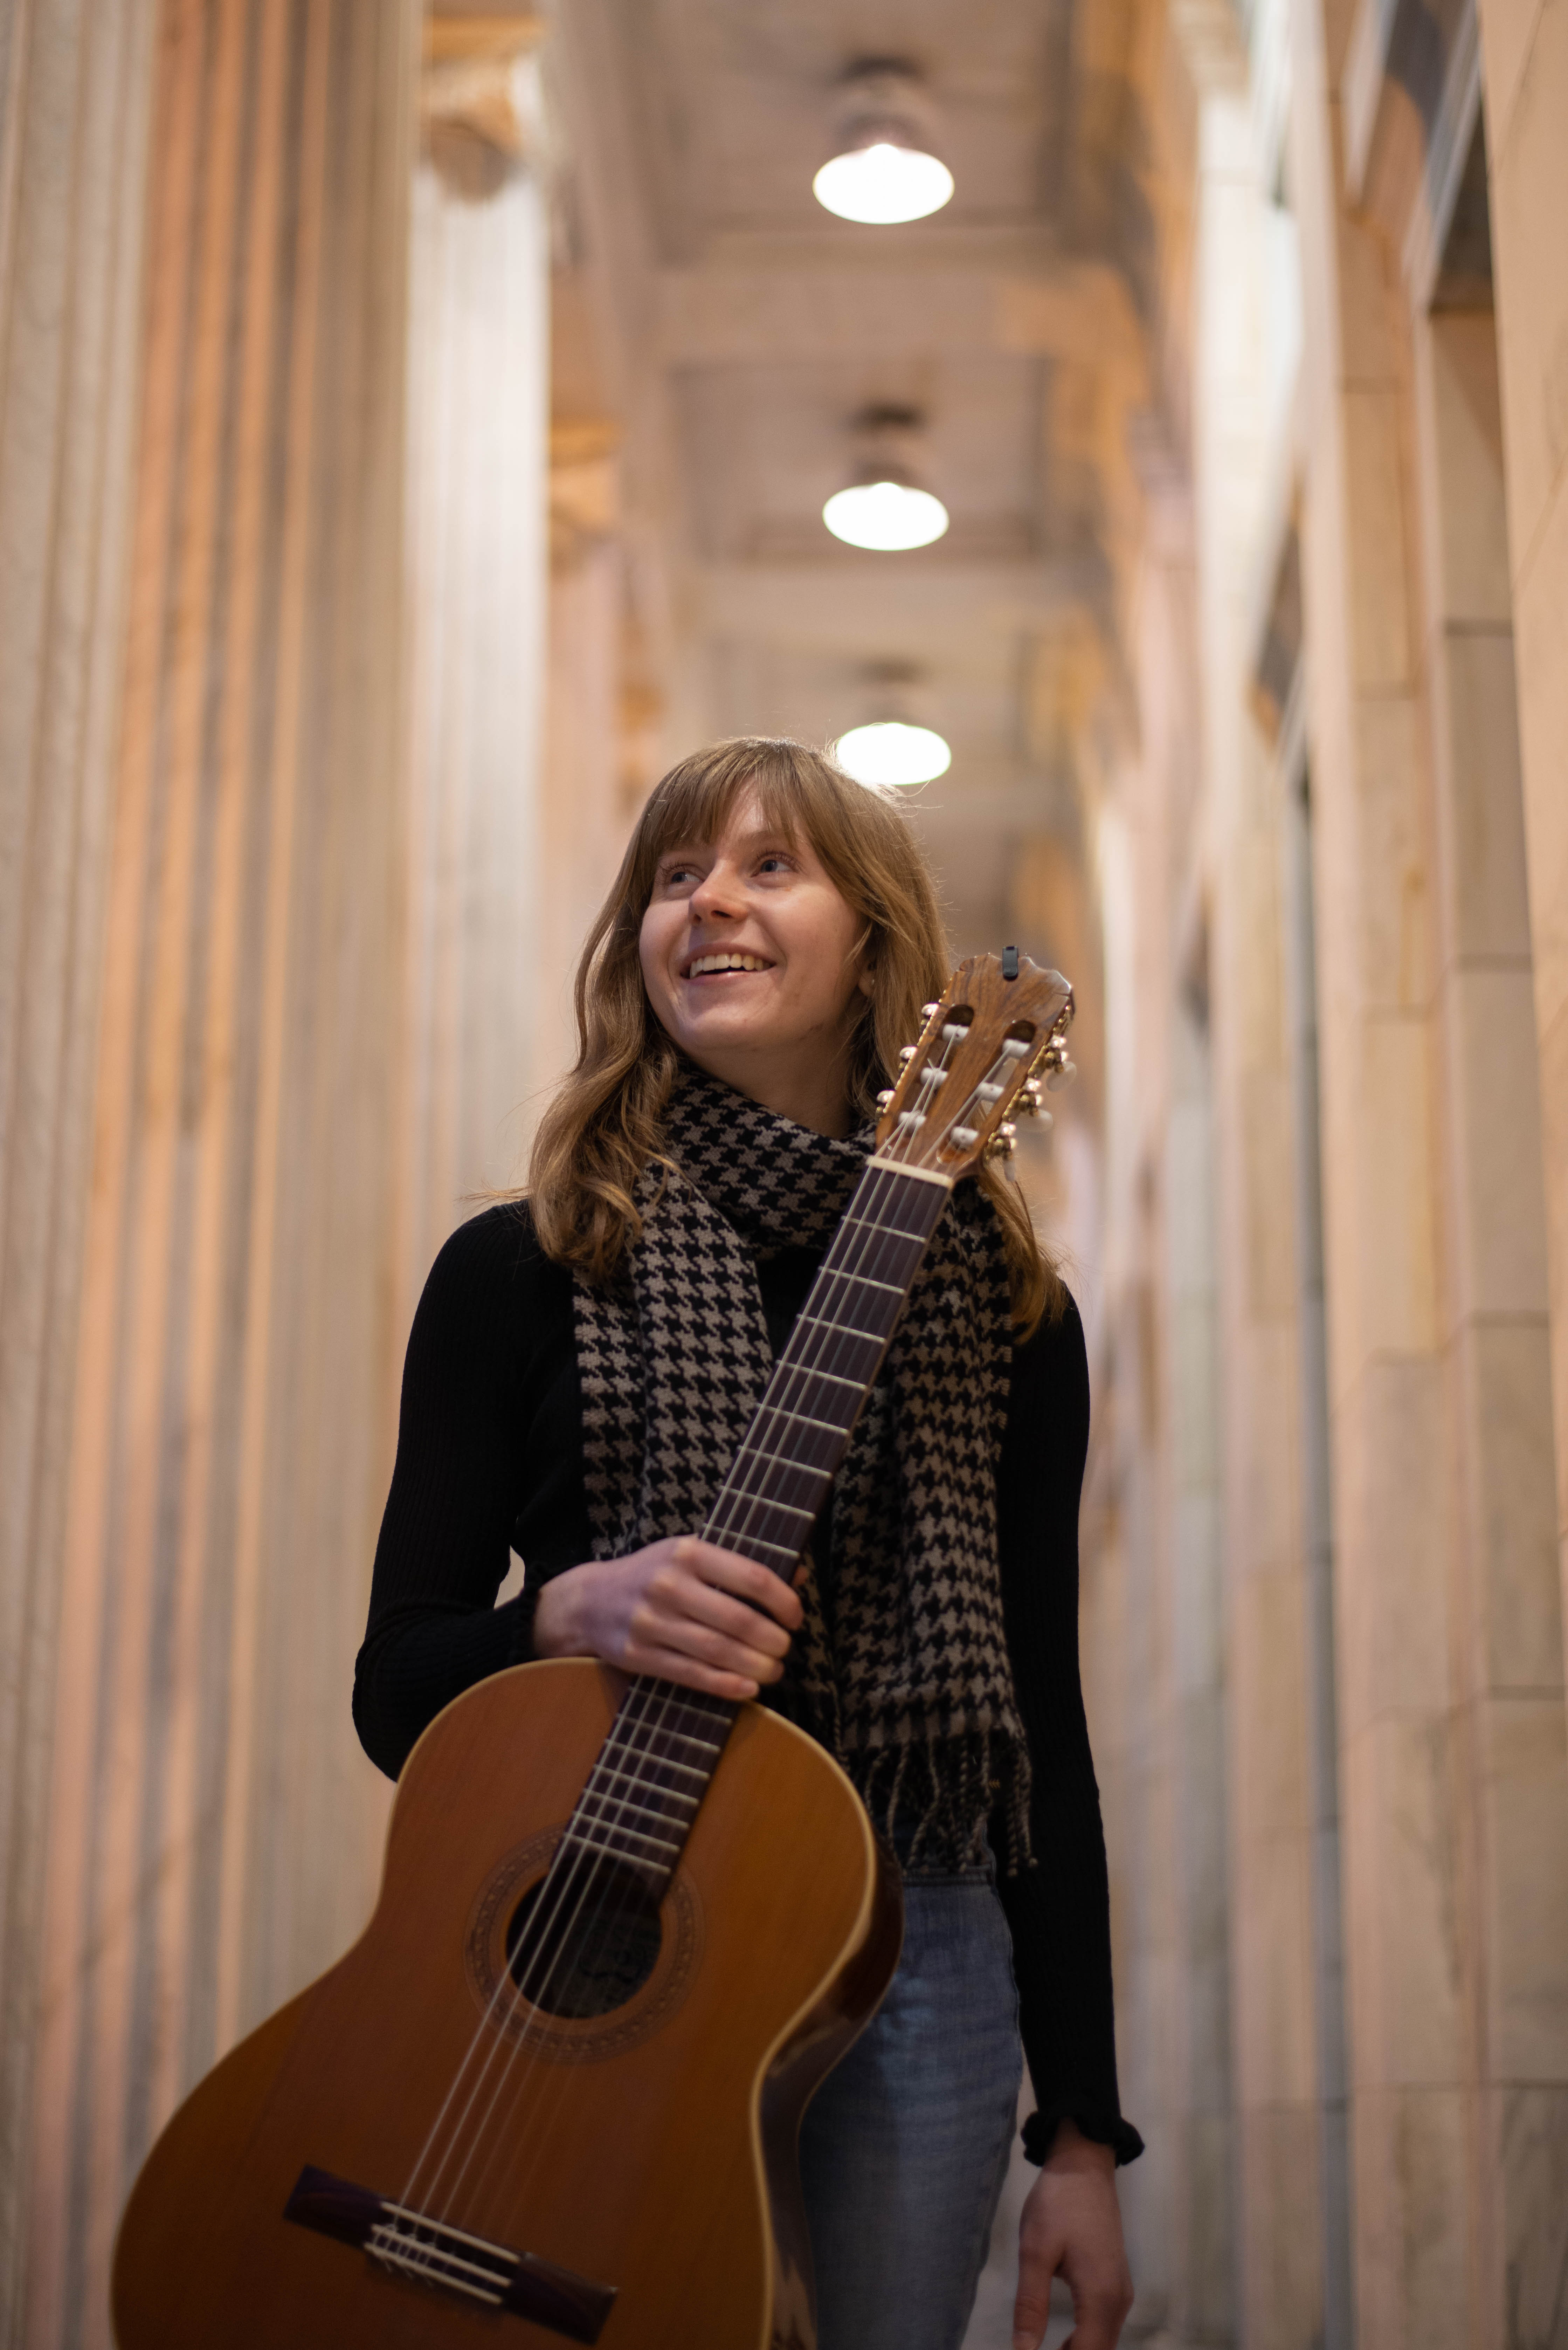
883 183
892 753
888 515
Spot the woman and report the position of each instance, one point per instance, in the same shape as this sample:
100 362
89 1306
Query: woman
742 996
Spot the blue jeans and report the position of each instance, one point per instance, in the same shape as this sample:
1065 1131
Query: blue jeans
905 2147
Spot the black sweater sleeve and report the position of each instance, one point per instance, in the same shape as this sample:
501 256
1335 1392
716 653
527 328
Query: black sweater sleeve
457 1491
1058 1910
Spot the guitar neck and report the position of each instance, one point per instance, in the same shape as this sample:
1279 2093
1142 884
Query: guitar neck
779 1479
643 1793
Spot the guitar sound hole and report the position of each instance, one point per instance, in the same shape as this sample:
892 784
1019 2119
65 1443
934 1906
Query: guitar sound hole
584 1949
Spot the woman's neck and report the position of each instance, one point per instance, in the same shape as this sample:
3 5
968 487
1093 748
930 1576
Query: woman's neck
809 1093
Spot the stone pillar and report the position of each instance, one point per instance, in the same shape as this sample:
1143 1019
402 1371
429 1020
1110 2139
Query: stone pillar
1524 50
1508 1692
75 87
213 1829
479 388
586 813
1278 2167
1453 1779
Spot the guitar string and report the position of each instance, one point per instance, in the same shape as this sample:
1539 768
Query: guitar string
634 1718
578 1878
799 1377
669 1694
637 1719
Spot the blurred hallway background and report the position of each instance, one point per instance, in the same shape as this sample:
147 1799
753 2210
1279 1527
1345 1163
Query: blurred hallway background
415 429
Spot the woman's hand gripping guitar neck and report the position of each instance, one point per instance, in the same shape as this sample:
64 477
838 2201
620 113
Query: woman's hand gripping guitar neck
682 1609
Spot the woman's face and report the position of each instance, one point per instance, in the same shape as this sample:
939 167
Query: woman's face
748 957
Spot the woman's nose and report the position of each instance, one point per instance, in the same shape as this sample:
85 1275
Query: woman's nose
716 895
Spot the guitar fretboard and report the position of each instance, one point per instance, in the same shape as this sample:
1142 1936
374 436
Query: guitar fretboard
643 1791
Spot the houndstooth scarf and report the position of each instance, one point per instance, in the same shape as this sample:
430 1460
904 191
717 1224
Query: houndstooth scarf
903 1674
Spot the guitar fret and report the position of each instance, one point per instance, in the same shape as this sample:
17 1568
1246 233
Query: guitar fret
841 1330
893 1288
616 1828
833 1426
686 1739
651 1786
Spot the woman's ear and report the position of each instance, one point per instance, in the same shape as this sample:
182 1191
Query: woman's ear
867 983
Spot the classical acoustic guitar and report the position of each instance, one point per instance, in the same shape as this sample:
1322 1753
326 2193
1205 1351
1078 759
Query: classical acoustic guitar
554 2092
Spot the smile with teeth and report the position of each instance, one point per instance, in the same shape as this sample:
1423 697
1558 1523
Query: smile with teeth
728 958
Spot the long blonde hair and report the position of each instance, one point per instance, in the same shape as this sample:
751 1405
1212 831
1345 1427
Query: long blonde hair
603 1127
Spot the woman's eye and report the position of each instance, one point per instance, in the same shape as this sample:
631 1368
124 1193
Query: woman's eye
773 864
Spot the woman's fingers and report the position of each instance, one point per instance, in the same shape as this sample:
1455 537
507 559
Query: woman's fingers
727 1570
683 1609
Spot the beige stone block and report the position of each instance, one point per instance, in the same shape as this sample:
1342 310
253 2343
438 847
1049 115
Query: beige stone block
1267 1142
1392 884
1281 2228
1528 192
1392 1517
1466 500
1263 1485
1498 1218
1534 2141
1207 2291
1523 1759
1507 30
1541 662
1396 1261
1410 2219
1515 1618
1555 1162
1398 1805
1381 649
1273 2031
1267 1641
1485 883
1368 320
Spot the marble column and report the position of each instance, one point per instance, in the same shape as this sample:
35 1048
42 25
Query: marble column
214 1830
1508 1688
479 390
585 808
1524 51
1451 1737
1280 2188
76 88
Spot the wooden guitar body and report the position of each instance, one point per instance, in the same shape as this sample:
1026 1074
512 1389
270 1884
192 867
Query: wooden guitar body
646 2152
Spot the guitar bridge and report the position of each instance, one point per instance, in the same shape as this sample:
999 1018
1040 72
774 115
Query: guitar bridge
431 2251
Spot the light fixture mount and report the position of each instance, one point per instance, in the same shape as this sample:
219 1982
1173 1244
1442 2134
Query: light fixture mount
885 505
885 167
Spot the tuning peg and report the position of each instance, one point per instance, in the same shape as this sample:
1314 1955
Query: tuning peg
1028 1102
907 1054
930 1010
885 1100
1063 1072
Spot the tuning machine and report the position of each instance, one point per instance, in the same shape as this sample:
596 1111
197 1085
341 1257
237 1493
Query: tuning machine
884 1101
1058 1065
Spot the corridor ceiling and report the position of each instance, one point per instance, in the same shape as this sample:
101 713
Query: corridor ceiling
751 328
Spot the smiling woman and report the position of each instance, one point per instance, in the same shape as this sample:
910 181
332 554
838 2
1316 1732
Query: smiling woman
584 1364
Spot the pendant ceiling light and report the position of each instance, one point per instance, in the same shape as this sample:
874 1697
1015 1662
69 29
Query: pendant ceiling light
884 168
888 751
886 505
895 746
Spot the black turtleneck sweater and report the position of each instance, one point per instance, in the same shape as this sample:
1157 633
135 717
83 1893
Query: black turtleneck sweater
490 1461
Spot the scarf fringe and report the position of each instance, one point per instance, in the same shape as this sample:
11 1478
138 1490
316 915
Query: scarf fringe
949 1789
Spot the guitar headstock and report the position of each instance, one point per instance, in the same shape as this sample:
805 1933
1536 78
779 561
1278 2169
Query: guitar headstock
984 1051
